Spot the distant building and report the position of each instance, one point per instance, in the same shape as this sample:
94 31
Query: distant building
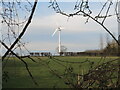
40 54
86 53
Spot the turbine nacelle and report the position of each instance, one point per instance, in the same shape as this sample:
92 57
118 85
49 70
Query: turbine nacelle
57 29
60 28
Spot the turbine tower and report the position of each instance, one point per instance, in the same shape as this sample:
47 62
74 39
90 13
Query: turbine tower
59 33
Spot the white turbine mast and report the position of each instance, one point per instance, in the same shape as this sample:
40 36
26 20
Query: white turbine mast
59 33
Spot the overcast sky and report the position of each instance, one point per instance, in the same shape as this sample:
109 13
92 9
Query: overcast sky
76 35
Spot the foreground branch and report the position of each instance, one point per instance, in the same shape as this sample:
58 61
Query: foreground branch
23 31
26 65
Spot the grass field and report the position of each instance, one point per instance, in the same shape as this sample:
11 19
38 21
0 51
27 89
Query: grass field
19 78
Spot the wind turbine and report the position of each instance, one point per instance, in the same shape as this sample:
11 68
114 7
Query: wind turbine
59 33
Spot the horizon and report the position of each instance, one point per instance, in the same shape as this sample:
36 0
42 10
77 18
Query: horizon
77 36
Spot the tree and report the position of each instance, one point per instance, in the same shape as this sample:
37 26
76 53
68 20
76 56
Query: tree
111 48
9 16
101 42
63 49
82 8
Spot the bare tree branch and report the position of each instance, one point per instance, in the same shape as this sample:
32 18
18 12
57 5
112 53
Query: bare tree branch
26 65
23 31
81 9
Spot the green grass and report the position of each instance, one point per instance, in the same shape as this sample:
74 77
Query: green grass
19 77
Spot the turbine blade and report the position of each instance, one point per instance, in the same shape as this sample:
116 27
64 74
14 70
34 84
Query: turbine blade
54 32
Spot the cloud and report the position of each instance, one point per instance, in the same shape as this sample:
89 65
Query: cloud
70 25
80 46
42 28
75 24
51 46
41 46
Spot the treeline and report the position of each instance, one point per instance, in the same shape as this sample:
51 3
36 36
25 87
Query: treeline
111 49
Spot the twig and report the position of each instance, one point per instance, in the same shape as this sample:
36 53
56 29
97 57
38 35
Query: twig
26 65
23 31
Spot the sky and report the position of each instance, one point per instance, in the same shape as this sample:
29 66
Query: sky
76 35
